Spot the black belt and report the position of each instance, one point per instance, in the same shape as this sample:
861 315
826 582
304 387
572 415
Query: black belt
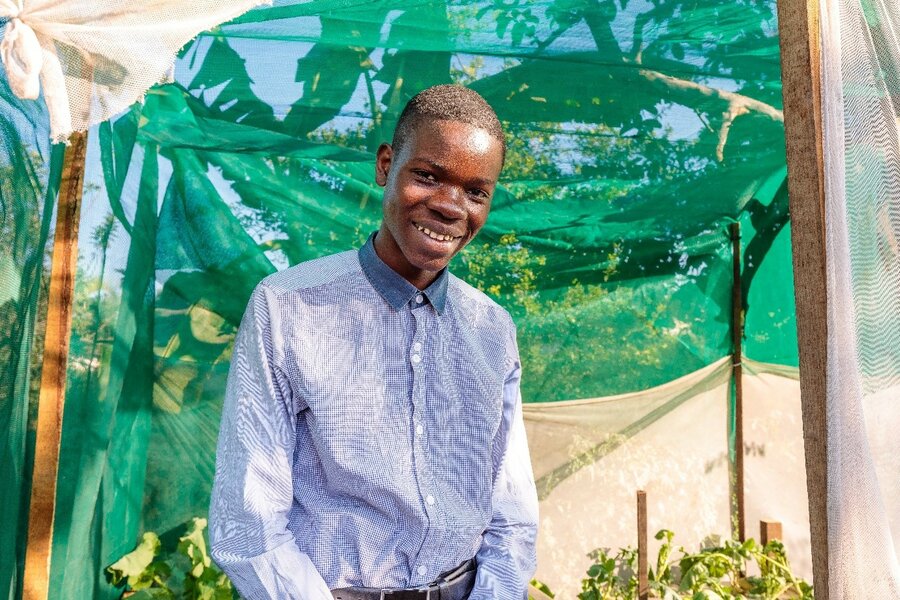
453 585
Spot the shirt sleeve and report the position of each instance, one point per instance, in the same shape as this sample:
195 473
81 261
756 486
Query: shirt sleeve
507 557
253 488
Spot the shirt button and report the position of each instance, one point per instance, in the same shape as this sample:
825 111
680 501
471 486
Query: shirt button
422 570
417 346
420 430
416 358
419 300
430 500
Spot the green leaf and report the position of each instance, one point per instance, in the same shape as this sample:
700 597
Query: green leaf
193 545
670 594
153 594
503 21
518 32
540 585
483 11
131 567
609 565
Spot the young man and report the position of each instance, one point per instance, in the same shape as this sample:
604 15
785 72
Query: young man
372 442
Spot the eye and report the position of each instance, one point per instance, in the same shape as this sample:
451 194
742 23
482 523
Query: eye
479 195
424 175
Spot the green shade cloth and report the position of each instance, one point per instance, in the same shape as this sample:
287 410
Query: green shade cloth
637 133
29 179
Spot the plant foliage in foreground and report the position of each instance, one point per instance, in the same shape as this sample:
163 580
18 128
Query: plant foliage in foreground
186 574
714 573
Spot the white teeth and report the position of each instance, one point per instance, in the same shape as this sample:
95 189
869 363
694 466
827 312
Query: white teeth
433 235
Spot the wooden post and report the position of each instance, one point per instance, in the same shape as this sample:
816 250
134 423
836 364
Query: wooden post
53 372
769 530
643 567
737 337
801 83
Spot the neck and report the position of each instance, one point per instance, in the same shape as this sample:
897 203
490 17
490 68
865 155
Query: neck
389 252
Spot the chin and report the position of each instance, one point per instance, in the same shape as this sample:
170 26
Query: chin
431 263
429 258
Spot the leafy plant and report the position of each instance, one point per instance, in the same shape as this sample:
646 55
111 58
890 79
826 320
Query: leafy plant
540 587
186 574
714 573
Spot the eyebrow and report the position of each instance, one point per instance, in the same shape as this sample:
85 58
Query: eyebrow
443 171
434 166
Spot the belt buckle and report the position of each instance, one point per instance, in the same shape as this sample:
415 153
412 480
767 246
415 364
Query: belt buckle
386 592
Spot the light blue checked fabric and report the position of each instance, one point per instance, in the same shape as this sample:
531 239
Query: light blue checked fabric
373 432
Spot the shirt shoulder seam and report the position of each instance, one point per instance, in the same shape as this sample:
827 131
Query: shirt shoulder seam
351 268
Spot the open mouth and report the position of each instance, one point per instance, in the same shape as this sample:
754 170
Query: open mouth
440 237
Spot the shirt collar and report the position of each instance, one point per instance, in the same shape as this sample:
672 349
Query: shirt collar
393 287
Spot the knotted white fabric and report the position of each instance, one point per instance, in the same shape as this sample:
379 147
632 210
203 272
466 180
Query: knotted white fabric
22 56
95 58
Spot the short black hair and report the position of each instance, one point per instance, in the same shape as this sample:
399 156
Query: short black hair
448 102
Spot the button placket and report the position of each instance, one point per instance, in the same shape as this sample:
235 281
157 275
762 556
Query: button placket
420 449
416 357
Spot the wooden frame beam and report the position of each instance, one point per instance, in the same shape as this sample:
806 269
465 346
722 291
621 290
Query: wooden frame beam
769 530
801 80
53 372
643 563
737 374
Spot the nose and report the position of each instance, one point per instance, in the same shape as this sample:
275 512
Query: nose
449 203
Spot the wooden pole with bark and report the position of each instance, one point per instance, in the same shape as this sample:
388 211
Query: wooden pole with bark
737 373
53 372
801 80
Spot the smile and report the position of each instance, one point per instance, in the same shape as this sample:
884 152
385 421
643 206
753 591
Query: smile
436 236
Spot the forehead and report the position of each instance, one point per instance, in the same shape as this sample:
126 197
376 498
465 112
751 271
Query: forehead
455 145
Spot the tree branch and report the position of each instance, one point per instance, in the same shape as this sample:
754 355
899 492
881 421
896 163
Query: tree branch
737 104
637 43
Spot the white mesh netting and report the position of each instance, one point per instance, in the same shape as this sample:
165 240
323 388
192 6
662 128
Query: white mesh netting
591 456
774 467
861 97
95 58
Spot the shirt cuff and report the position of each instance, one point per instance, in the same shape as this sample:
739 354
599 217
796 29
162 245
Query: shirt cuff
283 573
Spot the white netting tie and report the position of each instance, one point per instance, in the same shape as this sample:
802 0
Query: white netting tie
93 59
21 53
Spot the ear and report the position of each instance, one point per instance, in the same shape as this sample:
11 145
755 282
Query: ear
383 159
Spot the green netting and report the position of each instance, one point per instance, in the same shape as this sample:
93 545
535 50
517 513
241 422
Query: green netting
29 178
638 131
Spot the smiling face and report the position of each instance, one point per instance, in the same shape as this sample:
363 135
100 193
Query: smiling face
437 195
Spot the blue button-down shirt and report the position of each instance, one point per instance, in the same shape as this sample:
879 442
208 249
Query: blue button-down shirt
374 432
